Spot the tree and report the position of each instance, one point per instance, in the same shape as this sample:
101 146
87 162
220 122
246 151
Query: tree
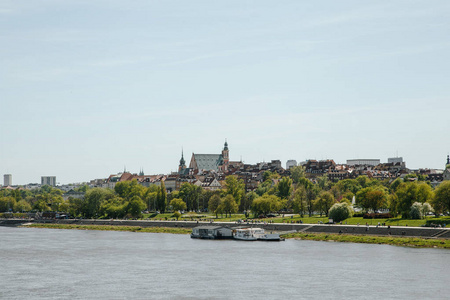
410 192
324 202
297 172
311 194
178 204
266 204
7 203
340 211
22 206
115 207
136 206
235 187
228 205
371 198
214 203
351 185
299 203
284 188
190 194
323 183
441 201
162 198
93 200
246 204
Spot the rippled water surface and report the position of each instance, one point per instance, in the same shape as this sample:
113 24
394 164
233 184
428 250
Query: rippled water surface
74 264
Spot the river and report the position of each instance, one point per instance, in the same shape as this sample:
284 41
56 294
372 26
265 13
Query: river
78 264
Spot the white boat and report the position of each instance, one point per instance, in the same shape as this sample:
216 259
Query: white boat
248 234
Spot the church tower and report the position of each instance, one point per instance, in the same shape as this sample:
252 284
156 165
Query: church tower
182 165
225 156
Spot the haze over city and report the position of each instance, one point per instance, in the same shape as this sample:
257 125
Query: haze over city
88 87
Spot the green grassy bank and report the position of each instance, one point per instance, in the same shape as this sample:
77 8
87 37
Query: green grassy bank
367 239
113 228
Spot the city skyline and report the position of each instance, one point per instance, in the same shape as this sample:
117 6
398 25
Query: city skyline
88 87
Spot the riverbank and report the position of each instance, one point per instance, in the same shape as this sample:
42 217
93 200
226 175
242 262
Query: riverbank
111 228
329 237
386 240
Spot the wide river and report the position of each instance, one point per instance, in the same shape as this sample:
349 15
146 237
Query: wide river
76 264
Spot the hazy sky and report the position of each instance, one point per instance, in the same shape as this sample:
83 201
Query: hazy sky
87 87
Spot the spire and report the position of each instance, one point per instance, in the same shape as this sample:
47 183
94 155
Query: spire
448 159
225 146
124 168
182 161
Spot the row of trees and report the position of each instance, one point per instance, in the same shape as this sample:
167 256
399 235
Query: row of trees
296 193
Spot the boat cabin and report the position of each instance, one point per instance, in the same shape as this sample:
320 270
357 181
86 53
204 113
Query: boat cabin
211 232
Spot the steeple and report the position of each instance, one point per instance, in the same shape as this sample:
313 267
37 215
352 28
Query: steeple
182 165
447 166
225 146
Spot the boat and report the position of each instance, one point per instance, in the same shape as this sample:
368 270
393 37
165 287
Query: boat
255 234
247 234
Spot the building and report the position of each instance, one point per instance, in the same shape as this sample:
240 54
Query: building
395 160
7 180
367 162
291 163
211 162
48 180
446 174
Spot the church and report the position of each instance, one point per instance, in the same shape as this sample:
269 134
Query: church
208 162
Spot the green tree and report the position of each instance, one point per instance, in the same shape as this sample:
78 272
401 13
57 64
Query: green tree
299 203
248 200
297 172
93 200
372 198
136 206
235 187
22 206
228 205
190 193
7 204
284 188
214 203
441 201
266 204
324 202
115 207
410 192
348 185
178 204
162 198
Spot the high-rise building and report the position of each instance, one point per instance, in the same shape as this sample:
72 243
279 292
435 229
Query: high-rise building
7 180
48 180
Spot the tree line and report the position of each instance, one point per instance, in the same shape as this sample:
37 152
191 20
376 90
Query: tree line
411 197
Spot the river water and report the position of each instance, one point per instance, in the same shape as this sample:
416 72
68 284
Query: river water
77 264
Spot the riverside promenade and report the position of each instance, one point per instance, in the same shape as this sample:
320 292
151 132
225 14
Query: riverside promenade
422 232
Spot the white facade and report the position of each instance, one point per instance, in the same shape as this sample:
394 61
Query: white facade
48 180
291 163
7 180
395 160
369 162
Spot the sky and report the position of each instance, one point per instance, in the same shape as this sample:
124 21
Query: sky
89 87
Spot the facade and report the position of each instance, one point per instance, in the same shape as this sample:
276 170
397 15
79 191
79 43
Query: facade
291 163
368 162
395 160
446 174
7 180
48 180
209 162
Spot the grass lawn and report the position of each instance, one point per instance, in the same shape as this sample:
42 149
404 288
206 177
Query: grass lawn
316 219
397 241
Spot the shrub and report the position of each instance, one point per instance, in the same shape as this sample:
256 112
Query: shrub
340 211
416 211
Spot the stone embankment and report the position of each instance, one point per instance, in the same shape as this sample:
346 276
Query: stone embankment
423 232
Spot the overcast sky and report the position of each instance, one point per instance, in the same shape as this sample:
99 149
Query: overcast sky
87 87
